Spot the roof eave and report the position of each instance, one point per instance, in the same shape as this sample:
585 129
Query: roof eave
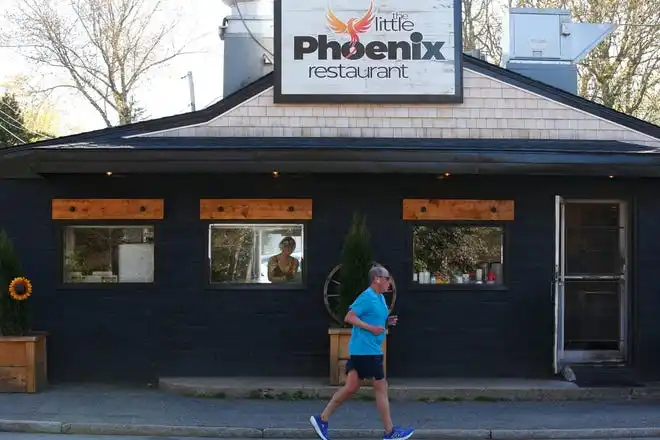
328 160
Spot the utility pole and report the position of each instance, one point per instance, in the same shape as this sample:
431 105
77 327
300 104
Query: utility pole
191 85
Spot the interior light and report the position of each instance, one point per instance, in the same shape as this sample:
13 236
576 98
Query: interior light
108 173
276 173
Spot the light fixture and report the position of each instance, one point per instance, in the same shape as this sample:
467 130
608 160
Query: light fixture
447 174
611 177
108 173
276 173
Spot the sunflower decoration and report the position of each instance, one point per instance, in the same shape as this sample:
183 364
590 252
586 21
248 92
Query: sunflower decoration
20 288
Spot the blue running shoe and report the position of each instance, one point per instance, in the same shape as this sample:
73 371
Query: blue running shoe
320 427
399 434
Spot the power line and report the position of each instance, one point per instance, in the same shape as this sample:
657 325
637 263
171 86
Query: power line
214 100
22 125
9 131
12 125
247 28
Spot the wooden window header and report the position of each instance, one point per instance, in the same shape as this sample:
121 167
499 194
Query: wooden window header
255 209
455 209
108 209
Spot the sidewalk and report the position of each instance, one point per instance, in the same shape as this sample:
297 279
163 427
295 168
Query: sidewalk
93 409
416 390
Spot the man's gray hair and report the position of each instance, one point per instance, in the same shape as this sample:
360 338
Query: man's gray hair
377 271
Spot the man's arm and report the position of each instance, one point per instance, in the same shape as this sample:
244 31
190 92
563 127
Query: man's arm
359 307
352 319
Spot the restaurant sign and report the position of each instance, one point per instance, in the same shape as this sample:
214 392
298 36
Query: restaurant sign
396 51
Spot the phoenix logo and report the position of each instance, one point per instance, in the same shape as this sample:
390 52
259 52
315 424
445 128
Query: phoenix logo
353 27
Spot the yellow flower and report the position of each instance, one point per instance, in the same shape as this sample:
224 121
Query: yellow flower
20 288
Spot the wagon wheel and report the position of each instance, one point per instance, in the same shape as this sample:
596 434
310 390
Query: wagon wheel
331 292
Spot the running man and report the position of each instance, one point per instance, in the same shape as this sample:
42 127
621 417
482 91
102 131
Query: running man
369 317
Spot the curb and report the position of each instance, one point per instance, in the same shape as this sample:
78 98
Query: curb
45 427
322 392
160 430
30 426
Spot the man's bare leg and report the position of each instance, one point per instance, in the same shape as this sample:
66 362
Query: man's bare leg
383 404
351 386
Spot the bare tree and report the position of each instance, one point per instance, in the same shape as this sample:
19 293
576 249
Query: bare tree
482 27
623 72
106 47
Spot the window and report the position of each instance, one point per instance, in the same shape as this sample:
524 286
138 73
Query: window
457 254
109 254
256 254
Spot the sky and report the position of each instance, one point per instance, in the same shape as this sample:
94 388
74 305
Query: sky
166 94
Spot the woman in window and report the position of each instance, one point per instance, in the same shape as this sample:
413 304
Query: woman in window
283 268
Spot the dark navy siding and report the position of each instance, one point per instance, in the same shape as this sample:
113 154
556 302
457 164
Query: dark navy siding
180 326
645 305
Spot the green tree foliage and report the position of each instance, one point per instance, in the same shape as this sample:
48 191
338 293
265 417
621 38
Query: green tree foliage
12 124
356 261
455 249
13 314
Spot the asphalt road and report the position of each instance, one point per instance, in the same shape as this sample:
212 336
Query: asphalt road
112 405
162 409
14 436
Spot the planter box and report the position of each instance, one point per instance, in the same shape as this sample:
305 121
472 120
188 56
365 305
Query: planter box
339 338
23 364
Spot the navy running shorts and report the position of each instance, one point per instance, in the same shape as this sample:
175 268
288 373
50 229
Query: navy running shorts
367 366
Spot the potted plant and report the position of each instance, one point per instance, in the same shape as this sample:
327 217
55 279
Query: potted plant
351 277
22 352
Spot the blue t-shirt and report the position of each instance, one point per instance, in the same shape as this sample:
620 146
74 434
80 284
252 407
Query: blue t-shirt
371 308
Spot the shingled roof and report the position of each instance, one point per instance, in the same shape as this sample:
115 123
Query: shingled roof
99 150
